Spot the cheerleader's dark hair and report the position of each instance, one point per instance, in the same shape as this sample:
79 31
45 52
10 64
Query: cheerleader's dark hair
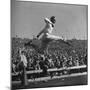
52 19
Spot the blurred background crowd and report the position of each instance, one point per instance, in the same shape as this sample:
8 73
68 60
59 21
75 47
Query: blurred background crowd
52 58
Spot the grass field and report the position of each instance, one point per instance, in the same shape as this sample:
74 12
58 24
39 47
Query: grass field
68 80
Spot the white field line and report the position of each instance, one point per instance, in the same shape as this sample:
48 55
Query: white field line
49 78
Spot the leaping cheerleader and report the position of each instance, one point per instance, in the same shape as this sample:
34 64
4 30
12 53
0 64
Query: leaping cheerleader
41 43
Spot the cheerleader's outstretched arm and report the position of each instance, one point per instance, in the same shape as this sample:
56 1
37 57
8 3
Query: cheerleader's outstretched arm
41 32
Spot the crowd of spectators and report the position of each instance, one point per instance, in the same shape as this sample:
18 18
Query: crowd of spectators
53 58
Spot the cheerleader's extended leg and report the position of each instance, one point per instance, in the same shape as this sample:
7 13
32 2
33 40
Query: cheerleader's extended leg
53 37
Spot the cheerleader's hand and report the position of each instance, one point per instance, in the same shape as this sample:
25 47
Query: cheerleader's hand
37 36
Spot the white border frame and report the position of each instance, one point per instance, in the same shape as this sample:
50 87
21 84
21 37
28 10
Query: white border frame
5 44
